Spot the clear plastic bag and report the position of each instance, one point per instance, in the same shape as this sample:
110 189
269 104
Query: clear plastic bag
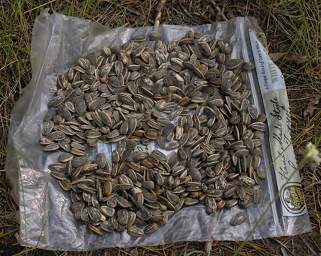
45 218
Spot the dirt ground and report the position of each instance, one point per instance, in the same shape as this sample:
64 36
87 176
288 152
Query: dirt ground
293 30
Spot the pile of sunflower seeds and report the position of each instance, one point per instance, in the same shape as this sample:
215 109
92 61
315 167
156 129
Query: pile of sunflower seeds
184 132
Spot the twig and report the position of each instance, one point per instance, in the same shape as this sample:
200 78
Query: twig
308 245
193 17
7 65
155 34
39 6
208 248
159 13
133 11
220 12
284 252
282 246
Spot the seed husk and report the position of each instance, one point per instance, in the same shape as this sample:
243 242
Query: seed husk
132 104
107 211
96 230
66 157
135 231
238 219
51 147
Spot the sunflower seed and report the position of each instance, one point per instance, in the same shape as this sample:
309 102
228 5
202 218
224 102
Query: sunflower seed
187 99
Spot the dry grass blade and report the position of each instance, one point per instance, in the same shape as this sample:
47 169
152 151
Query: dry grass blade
220 12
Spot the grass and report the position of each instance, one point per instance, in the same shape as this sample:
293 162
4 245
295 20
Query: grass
293 28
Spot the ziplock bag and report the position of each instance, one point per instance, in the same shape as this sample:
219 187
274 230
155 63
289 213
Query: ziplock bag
45 217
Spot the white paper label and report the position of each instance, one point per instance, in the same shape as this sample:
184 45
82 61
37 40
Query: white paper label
276 104
269 75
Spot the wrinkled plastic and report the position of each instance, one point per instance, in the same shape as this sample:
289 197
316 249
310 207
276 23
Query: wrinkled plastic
46 220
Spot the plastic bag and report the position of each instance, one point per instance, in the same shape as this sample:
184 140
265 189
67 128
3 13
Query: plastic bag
45 218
